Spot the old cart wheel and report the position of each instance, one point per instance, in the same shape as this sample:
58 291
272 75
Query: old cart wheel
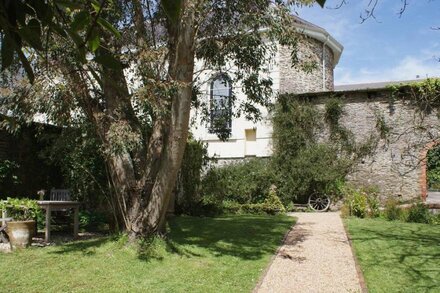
319 203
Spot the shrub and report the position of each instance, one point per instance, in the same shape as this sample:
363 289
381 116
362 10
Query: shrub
93 221
435 219
433 168
361 202
357 204
245 183
272 204
373 201
188 197
78 153
231 207
419 213
304 161
392 211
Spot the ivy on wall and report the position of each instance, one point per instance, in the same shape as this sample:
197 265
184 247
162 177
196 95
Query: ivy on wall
313 151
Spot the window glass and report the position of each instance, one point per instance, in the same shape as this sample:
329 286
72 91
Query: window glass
221 103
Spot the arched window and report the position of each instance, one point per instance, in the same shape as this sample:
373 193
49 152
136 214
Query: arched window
221 106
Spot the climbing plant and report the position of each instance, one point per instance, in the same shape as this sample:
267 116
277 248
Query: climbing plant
424 95
305 160
433 168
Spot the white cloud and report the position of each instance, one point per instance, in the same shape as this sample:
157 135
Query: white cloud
408 68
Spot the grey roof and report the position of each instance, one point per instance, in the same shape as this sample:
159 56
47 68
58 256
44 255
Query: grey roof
305 23
373 85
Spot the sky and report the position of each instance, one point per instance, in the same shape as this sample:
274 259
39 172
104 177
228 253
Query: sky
388 48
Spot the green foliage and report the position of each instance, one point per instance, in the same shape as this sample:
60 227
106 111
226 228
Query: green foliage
424 95
78 154
419 213
188 197
433 168
21 209
8 172
392 210
334 109
244 182
302 163
272 204
154 247
29 24
244 187
93 221
361 202
381 126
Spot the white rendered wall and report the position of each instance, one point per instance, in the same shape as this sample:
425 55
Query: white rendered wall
236 146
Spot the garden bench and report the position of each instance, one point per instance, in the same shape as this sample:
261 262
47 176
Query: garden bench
59 195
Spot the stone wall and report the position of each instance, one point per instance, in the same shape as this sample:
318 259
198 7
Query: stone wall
296 79
396 164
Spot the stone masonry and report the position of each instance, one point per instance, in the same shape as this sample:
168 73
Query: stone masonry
397 165
294 79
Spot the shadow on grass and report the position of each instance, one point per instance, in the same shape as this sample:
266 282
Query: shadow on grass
246 237
86 247
409 251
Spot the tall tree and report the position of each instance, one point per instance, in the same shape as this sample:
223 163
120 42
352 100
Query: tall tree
128 69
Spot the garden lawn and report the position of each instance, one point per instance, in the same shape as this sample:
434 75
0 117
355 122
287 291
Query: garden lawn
224 254
396 256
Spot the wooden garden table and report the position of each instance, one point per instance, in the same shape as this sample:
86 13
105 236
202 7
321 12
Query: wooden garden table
59 205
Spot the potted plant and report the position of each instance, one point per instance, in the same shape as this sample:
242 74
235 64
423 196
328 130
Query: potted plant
23 226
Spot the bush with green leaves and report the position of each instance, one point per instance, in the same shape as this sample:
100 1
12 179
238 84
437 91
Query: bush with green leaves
392 211
188 197
419 213
272 205
21 209
433 168
313 151
93 221
244 183
361 202
7 172
78 154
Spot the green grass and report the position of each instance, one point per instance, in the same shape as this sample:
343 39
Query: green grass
396 256
225 254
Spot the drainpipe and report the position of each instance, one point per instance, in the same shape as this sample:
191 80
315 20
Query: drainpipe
323 62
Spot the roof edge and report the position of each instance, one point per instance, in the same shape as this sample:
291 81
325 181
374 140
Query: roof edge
323 36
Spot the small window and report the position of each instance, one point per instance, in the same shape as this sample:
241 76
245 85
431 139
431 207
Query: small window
221 107
251 134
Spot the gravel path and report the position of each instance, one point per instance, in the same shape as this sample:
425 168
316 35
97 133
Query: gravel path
316 257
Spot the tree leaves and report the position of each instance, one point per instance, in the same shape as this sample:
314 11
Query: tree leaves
31 34
321 2
7 51
172 9
108 60
108 26
22 24
80 21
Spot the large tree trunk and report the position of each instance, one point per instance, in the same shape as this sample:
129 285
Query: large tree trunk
181 70
144 179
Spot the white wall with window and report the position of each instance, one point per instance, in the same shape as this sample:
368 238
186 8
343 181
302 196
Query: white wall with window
247 138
